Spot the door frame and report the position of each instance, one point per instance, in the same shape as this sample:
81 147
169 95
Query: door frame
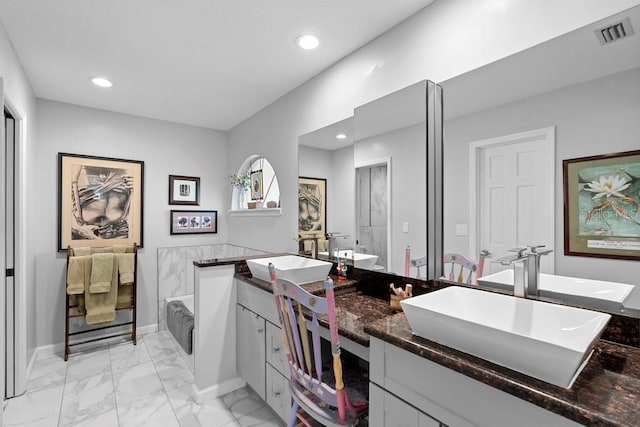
20 237
546 137
369 163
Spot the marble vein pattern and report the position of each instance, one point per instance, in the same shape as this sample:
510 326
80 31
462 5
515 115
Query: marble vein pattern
122 385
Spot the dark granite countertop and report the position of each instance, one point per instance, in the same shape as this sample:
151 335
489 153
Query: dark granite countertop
606 393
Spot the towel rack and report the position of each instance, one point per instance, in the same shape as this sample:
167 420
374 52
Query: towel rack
73 309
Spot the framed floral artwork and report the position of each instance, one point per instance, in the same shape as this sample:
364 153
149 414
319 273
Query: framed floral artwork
100 201
193 222
602 206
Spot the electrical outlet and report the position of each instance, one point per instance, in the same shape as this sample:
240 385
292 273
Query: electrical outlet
462 230
405 227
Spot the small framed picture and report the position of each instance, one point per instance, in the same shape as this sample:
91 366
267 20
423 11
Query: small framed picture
184 190
193 222
256 185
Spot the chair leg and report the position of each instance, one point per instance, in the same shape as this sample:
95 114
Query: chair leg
294 414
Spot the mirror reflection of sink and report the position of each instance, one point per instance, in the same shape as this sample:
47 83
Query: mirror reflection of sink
593 293
295 268
360 260
547 341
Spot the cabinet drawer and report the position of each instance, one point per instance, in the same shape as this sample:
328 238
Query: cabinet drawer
257 300
278 395
276 356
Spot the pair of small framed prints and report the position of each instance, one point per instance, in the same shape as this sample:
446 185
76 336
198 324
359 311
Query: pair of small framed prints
185 190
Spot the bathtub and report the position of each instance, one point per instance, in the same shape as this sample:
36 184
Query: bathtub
188 301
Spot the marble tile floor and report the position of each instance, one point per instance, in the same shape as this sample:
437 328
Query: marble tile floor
122 385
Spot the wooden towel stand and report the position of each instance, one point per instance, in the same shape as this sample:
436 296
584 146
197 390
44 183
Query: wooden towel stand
75 311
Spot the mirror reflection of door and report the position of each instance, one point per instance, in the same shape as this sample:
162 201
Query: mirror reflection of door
514 194
372 211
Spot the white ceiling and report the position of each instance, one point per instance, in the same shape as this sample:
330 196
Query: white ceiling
210 63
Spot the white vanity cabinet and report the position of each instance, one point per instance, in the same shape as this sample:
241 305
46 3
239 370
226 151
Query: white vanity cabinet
402 381
261 355
250 344
386 410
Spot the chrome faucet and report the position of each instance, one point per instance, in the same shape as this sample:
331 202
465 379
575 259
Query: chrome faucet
526 269
331 238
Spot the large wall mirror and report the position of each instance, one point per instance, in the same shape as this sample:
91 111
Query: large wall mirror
508 127
375 166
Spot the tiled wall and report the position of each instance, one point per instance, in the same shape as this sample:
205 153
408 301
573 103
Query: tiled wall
176 270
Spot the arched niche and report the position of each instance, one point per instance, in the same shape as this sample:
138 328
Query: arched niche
261 195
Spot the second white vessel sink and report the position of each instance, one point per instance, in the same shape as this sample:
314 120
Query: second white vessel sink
360 260
547 341
590 292
291 267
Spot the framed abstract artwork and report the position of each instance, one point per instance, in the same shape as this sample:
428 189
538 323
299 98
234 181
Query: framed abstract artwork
193 222
602 206
184 190
312 207
100 201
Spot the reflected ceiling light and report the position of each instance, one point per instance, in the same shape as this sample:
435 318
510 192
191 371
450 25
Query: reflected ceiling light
307 41
101 81
341 136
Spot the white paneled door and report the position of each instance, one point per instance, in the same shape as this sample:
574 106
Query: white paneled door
513 187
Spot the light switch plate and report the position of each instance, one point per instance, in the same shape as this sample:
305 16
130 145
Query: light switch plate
405 227
462 230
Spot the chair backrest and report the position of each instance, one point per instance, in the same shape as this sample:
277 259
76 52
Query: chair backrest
457 265
304 356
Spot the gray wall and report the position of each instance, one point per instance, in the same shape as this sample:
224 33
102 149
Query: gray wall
336 166
596 117
166 148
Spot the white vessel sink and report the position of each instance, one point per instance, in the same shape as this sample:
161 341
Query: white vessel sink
593 293
360 260
295 268
547 341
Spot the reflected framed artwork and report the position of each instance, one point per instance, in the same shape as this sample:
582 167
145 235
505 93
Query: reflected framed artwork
602 206
100 201
312 207
256 185
193 222
184 190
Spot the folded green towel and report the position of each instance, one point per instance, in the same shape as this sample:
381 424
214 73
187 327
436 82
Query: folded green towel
101 272
101 308
125 267
120 249
75 275
81 251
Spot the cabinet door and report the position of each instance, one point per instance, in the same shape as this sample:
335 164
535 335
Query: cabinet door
278 393
386 410
250 339
276 355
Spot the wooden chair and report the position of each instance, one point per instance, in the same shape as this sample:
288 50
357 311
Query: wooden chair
315 388
474 268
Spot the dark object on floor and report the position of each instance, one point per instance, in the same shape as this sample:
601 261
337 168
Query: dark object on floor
180 323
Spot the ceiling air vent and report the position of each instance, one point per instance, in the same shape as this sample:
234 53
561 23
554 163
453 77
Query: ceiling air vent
615 32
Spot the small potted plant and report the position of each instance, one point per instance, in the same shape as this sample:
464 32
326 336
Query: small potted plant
241 182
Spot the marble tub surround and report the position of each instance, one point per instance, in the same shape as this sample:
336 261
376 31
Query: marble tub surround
607 392
176 268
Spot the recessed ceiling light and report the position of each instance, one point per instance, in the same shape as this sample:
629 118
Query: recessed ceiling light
101 81
341 136
307 41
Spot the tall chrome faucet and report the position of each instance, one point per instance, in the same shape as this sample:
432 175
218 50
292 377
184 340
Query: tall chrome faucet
526 269
331 237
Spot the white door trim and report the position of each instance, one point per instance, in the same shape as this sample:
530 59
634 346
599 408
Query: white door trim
378 162
20 236
546 137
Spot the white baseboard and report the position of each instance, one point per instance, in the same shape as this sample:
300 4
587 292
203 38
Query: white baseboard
216 390
58 348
